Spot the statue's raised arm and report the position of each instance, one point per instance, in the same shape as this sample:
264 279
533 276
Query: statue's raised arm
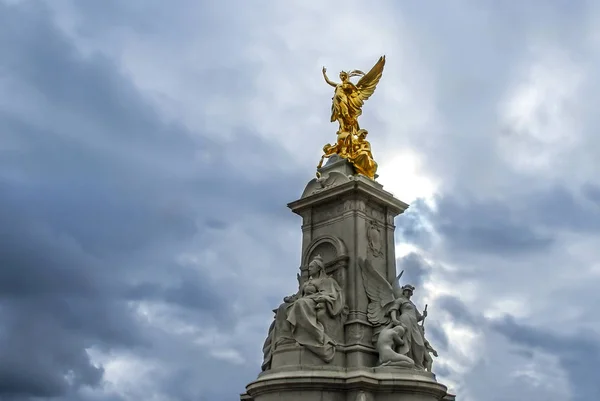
330 82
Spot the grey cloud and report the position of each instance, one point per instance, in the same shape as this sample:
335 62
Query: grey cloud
96 202
487 228
215 224
194 292
99 194
38 354
442 370
410 225
458 310
437 337
579 353
525 225
54 305
473 226
560 208
476 67
415 269
592 192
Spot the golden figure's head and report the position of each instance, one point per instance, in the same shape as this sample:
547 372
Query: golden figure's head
344 76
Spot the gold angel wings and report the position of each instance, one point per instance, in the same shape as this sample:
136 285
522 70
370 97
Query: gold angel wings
367 84
349 98
346 107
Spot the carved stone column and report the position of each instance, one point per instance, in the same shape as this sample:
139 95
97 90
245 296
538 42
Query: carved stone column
357 212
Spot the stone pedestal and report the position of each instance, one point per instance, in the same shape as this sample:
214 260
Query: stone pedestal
345 217
345 385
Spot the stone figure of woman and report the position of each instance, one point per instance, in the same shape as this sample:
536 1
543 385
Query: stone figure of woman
300 316
345 104
404 312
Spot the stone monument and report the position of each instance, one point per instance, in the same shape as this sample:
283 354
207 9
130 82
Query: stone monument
351 332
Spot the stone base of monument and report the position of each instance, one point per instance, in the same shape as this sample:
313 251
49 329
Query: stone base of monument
374 384
296 355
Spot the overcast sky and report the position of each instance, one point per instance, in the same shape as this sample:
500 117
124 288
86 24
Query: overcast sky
148 149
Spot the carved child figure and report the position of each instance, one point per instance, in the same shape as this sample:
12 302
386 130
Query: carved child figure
309 288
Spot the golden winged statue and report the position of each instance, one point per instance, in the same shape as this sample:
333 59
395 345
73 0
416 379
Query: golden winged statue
346 107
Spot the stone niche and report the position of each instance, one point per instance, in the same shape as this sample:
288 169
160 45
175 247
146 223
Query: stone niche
335 257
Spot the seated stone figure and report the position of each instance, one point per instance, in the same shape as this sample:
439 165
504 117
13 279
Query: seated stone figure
301 318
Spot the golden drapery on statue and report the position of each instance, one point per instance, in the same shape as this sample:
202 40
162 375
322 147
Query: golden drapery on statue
346 107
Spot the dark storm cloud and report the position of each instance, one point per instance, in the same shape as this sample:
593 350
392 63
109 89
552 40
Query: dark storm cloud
415 269
442 370
438 338
458 310
38 352
579 353
592 192
525 228
486 227
525 225
475 226
410 225
98 194
575 215
96 197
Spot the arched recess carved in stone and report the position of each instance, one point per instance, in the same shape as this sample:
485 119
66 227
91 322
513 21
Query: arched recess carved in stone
335 257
